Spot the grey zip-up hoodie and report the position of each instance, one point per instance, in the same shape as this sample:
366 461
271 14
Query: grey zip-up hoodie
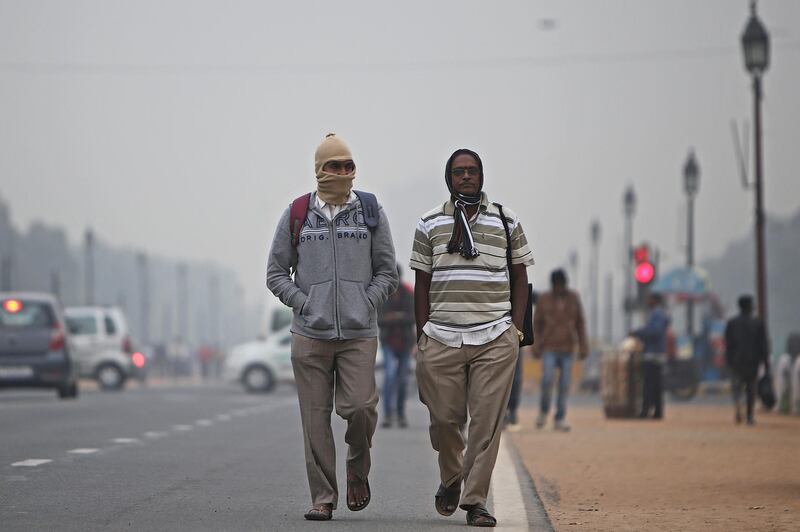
343 272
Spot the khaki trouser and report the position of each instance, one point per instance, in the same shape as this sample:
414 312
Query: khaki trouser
475 379
348 367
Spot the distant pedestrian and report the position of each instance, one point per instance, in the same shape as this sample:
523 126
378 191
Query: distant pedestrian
787 376
469 312
746 348
560 329
654 355
332 261
397 335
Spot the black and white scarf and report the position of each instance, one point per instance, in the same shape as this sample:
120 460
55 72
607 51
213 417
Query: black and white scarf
461 240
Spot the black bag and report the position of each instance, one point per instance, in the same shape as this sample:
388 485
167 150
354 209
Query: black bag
766 391
527 324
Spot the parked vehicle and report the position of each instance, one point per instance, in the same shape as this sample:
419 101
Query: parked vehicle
700 358
35 350
260 365
103 347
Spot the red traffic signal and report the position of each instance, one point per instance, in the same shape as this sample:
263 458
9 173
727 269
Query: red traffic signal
645 272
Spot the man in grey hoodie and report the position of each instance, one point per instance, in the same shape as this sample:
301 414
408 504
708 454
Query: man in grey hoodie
334 270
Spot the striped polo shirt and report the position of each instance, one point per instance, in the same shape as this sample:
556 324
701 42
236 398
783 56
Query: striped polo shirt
469 294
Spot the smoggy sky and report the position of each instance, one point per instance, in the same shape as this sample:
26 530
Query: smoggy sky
185 127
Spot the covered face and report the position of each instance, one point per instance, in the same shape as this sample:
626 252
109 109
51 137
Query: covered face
335 170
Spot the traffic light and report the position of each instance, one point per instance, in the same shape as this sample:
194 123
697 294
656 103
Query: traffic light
644 272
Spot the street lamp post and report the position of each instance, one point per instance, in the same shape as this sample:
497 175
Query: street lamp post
755 45
595 236
629 205
691 183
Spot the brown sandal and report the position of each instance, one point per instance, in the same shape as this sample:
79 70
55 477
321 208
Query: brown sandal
320 512
478 515
446 499
352 484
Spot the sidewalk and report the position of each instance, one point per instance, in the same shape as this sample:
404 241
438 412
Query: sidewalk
696 470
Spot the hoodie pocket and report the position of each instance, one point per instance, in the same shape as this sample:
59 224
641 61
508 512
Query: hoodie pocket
318 308
355 310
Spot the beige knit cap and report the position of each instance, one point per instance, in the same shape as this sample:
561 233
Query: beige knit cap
332 148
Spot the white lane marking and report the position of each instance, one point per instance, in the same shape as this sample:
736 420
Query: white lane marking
153 435
506 492
31 462
203 422
223 417
182 428
240 412
82 451
126 440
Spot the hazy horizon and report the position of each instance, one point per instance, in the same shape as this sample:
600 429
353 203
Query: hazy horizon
184 129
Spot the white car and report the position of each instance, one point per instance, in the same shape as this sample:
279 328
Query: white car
102 345
259 365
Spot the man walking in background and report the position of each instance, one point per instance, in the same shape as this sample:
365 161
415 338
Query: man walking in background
396 323
746 348
654 355
332 261
470 304
559 327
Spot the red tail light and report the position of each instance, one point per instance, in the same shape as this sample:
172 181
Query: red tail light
56 340
138 360
126 345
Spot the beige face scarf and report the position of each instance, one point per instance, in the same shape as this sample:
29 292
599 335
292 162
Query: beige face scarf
333 188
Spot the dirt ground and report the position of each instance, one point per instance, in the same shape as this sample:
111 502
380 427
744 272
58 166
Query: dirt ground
695 470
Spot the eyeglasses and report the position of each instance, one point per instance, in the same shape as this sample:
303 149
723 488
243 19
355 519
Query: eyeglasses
336 166
471 171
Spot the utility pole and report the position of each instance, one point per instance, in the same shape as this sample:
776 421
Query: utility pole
214 311
182 301
573 268
88 251
144 297
55 284
609 308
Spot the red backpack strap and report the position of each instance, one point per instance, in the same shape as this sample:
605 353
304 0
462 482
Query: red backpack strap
297 216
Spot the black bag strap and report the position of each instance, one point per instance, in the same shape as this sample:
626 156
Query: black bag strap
508 244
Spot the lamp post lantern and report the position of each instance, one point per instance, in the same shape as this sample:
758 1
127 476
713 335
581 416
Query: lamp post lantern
755 47
629 205
691 184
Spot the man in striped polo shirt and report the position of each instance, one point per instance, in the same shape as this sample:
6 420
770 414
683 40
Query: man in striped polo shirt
469 315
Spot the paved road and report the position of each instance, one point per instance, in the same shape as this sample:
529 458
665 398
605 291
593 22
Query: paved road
210 458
